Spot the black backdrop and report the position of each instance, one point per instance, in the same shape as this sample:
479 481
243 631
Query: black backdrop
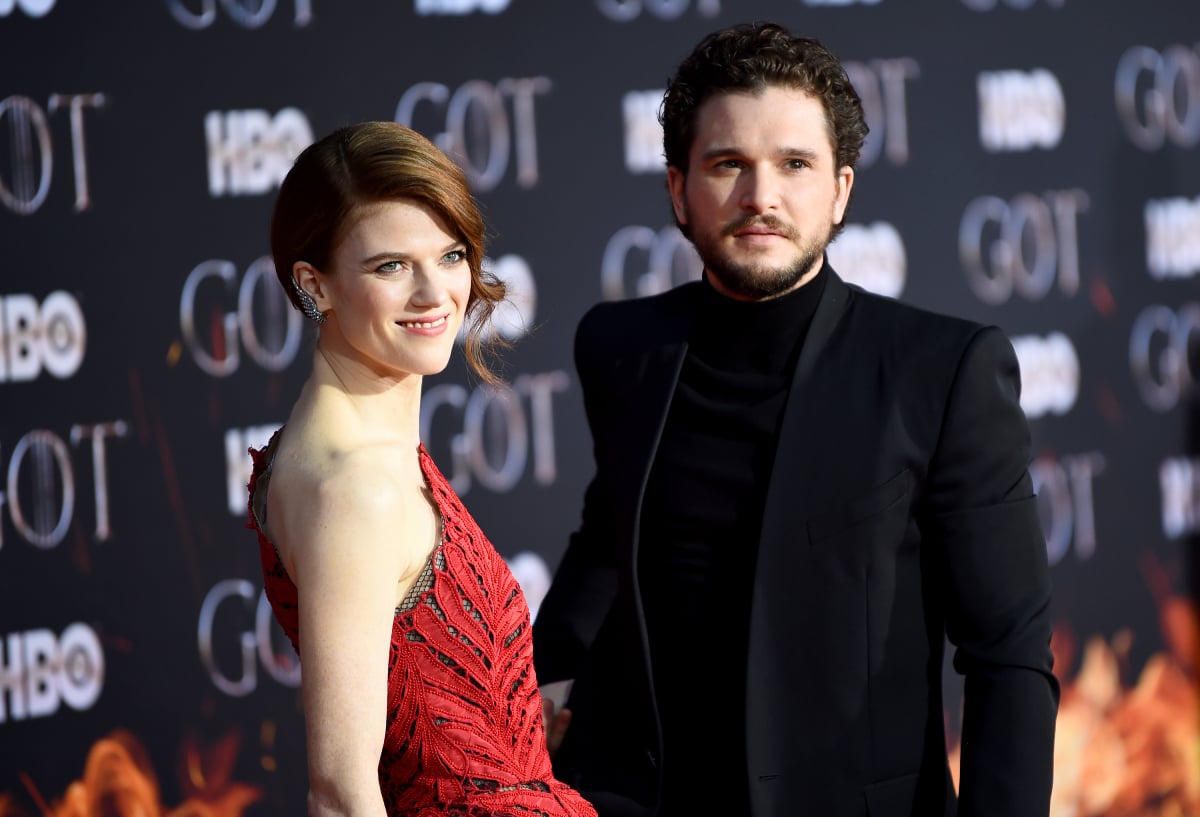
1033 164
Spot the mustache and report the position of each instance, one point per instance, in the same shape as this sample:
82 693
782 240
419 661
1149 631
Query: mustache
768 221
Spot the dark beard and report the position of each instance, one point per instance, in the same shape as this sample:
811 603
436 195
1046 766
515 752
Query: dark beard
751 281
760 284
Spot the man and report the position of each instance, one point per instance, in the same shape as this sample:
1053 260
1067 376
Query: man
801 489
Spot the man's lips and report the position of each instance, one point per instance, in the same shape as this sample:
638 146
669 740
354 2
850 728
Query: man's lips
760 226
758 231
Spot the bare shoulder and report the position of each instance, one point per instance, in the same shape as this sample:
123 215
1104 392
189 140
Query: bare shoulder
334 497
366 478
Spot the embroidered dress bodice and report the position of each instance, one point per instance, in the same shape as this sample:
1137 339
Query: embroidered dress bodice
464 717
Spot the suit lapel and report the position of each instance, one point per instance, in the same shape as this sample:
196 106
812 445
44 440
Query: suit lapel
825 320
791 473
661 374
793 480
656 380
652 386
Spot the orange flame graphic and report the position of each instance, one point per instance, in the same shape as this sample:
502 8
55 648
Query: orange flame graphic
119 781
1124 751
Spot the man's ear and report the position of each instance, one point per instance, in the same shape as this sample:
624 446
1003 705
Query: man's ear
845 183
310 279
676 181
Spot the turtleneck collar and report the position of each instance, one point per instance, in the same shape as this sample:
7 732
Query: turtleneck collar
754 336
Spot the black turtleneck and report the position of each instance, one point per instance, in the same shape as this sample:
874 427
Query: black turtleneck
701 521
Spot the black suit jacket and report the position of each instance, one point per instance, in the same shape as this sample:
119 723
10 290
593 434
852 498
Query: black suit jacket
899 512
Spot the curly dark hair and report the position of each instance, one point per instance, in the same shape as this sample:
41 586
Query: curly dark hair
752 57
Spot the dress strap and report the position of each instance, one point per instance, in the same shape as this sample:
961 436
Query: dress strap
258 502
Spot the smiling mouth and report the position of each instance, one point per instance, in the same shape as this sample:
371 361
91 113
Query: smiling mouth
423 324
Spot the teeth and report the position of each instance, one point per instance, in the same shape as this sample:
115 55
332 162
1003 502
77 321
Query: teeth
423 324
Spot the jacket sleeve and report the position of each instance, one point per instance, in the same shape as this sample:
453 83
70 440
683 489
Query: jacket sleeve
983 520
585 583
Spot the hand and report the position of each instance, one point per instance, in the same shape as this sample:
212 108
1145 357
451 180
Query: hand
555 724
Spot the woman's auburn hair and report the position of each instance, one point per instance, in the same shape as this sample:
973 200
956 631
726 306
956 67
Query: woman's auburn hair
370 163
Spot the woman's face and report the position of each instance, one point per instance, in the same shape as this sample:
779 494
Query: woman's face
399 289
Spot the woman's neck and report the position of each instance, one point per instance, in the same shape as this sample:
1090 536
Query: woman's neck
381 404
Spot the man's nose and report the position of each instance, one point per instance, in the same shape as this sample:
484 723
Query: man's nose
760 191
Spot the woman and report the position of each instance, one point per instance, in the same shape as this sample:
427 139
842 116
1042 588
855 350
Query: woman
418 691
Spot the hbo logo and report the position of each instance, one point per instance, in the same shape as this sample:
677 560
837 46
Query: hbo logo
39 671
34 337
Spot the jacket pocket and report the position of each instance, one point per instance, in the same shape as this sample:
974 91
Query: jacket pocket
828 524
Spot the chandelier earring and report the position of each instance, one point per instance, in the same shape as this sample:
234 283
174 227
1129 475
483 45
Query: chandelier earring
307 305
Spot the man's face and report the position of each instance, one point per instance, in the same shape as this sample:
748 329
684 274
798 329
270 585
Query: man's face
761 194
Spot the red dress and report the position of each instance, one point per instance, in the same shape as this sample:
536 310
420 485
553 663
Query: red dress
464 716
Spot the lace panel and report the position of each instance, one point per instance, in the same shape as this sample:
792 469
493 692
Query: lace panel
464 725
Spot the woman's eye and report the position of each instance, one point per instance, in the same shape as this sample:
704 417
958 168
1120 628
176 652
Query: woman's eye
455 257
390 266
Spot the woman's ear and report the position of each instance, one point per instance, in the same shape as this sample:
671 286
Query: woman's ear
310 279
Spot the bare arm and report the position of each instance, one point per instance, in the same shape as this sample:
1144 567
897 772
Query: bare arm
347 554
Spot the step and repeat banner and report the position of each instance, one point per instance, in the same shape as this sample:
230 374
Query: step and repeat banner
1032 163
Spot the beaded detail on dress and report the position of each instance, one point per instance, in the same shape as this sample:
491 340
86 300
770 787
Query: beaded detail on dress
464 717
